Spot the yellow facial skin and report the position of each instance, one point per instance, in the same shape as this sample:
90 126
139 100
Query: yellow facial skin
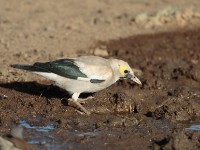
122 68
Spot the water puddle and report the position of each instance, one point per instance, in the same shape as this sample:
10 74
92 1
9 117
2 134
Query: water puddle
41 136
46 138
47 128
193 128
49 137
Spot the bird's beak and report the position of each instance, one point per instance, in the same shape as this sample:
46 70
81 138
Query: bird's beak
135 79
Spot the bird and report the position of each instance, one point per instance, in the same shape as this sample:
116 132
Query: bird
83 74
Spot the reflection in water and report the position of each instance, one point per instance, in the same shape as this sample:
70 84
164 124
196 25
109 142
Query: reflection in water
40 136
193 128
47 128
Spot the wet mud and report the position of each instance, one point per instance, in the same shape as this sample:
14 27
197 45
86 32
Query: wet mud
157 115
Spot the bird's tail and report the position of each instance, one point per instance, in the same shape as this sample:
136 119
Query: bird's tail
31 68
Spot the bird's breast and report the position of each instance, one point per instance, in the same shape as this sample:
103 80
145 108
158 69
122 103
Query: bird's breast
78 86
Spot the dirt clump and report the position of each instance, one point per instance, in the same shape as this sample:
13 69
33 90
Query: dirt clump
179 140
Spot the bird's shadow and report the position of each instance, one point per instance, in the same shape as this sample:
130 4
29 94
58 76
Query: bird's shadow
37 89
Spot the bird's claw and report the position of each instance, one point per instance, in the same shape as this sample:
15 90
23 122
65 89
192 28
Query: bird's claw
78 106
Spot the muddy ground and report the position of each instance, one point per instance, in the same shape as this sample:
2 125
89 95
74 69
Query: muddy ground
125 115
161 38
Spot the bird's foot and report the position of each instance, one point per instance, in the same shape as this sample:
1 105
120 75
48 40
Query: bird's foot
78 106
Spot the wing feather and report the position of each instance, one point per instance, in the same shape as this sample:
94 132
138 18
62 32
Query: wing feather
84 71
62 67
92 69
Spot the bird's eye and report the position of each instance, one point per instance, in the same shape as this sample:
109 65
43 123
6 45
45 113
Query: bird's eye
126 71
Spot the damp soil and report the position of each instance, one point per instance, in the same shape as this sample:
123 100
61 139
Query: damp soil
125 115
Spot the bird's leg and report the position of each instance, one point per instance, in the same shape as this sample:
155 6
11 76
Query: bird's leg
82 100
82 108
75 101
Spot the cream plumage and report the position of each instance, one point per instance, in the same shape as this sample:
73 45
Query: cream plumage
83 74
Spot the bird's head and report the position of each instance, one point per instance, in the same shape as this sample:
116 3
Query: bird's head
124 71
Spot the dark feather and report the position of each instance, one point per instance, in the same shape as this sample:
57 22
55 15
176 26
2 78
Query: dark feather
28 68
62 67
96 81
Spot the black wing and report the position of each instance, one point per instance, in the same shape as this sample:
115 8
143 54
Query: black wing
63 67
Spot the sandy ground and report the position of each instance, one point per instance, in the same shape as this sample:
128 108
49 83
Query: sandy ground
63 28
161 38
